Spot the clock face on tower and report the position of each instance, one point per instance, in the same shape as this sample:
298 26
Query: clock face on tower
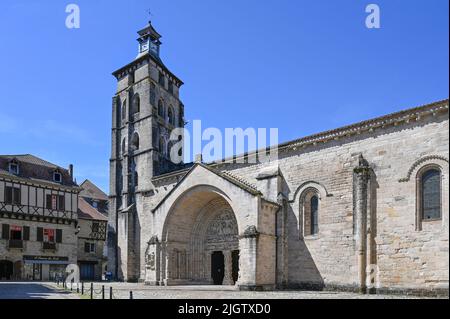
144 46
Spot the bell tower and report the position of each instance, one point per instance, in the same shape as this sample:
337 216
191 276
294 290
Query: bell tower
146 108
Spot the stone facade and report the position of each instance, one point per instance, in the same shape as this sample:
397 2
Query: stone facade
184 225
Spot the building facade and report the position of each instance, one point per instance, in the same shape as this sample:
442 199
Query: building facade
38 217
362 207
92 223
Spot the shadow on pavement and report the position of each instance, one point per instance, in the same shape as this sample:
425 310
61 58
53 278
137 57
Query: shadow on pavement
10 290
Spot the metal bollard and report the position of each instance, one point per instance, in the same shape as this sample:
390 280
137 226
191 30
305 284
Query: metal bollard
103 292
92 290
78 288
82 288
131 295
110 293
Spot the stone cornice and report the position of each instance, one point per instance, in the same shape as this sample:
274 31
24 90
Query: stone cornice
139 62
403 117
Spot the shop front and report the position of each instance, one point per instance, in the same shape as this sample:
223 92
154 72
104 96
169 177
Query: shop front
44 268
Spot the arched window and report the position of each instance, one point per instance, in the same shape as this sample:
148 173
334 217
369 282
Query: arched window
309 205
135 142
119 179
430 195
161 146
171 116
181 116
136 107
314 211
124 110
161 108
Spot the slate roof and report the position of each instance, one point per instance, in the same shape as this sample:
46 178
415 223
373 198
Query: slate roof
86 211
90 190
35 169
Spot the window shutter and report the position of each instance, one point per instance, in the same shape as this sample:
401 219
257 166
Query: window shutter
8 195
5 231
26 233
40 234
86 247
17 196
59 236
62 203
49 201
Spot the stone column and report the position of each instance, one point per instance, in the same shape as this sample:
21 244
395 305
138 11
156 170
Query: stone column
248 245
282 233
228 269
162 263
361 187
167 264
152 263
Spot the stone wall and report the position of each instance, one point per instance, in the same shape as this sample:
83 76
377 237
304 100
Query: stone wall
67 248
405 258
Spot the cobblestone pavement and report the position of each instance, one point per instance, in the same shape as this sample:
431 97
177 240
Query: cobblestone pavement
140 291
26 290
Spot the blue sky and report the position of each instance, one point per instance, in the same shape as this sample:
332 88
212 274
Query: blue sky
300 66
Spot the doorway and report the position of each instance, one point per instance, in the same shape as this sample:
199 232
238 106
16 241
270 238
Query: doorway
37 272
235 263
6 270
87 271
217 267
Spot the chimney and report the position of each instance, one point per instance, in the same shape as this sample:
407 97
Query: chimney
71 171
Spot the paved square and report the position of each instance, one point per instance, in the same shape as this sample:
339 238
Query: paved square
49 290
140 291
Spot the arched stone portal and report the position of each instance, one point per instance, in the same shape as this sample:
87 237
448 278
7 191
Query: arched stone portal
212 228
201 228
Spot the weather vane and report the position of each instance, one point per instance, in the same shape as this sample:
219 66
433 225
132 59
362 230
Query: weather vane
150 14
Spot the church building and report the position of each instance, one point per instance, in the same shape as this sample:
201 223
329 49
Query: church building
362 207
